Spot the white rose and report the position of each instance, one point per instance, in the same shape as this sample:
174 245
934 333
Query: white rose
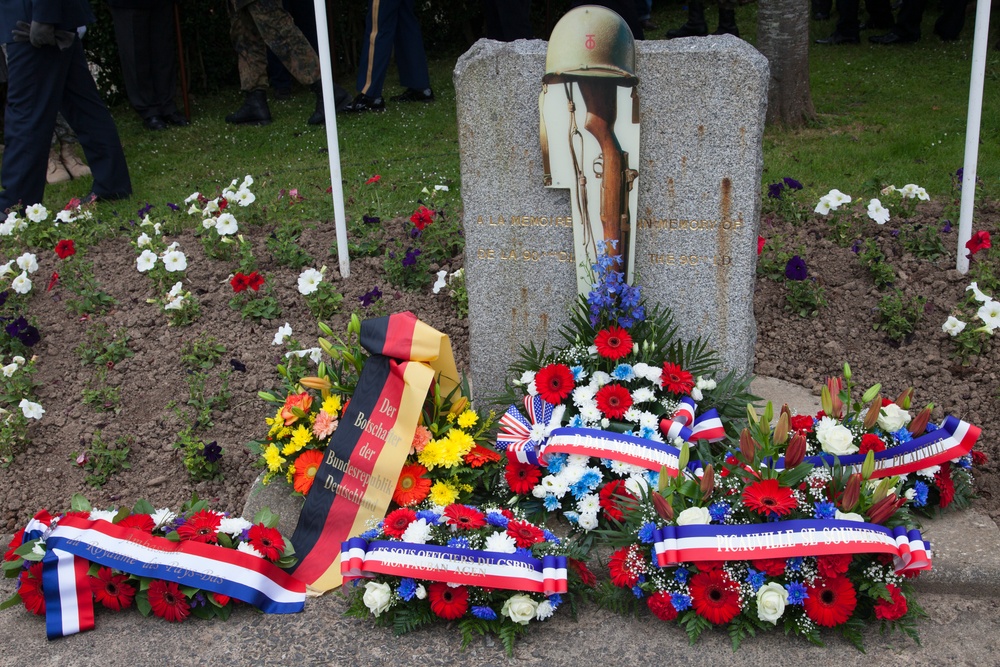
837 440
771 600
694 516
588 521
892 418
378 597
519 608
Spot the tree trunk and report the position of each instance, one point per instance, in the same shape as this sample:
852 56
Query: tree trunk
783 38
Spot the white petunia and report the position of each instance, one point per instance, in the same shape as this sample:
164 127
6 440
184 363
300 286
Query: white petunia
6 268
283 332
418 532
18 359
953 326
143 240
226 224
174 261
146 261
176 289
211 207
7 227
30 409
314 353
244 197
500 543
980 296
65 216
441 188
209 223
440 283
9 370
247 182
989 313
193 209
175 303
21 284
309 281
877 212
922 195
835 198
192 197
28 262
36 213
908 191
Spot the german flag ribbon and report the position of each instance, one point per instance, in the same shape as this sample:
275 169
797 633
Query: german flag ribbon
355 482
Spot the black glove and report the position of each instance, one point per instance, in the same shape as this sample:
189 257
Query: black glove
39 34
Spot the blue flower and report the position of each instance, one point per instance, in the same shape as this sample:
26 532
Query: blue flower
719 511
681 575
791 183
637 591
648 432
369 534
555 600
919 494
370 297
623 372
756 579
496 519
964 462
556 462
796 269
680 601
646 533
411 256
459 543
653 478
794 564
826 511
550 536
576 421
931 427
796 592
407 589
485 613
551 502
902 435
572 517
521 551
588 482
430 516
774 190
577 373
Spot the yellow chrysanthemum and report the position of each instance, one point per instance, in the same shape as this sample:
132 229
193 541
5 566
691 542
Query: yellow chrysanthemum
276 423
301 437
451 418
468 419
273 458
443 493
461 441
290 474
284 433
331 405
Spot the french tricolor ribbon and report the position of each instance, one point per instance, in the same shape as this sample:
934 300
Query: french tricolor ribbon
622 447
788 539
360 559
522 438
76 541
684 425
953 439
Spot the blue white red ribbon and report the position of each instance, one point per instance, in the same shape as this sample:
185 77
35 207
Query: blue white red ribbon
75 541
683 424
469 567
622 447
522 438
789 539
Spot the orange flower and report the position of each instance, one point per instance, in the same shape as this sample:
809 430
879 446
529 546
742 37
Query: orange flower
306 466
325 425
302 401
412 486
480 456
420 439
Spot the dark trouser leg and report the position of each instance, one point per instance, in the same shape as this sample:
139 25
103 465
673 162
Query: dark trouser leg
879 14
847 21
132 30
411 60
380 35
163 57
908 21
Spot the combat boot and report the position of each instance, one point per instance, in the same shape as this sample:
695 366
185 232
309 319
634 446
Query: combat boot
727 23
254 110
695 26
57 172
318 116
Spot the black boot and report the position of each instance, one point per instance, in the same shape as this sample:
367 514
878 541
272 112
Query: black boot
318 116
254 110
695 26
727 23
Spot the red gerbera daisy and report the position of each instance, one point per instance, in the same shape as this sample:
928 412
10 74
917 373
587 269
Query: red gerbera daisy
587 578
30 590
625 566
65 248
447 602
306 466
525 534
871 443
15 543
223 600
833 565
978 458
254 281
239 282
112 590
412 486
946 486
142 522
396 522
714 596
675 379
894 609
661 605
268 541
480 456
772 567
613 343
609 499
201 526
830 602
769 497
464 517
554 383
167 601
521 477
613 400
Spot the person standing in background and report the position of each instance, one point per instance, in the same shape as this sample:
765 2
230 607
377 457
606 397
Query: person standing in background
507 20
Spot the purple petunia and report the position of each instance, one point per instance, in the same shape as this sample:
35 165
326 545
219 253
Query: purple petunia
791 183
795 269
212 452
411 256
774 190
370 297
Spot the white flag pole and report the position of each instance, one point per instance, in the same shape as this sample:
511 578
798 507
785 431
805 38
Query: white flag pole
979 45
329 107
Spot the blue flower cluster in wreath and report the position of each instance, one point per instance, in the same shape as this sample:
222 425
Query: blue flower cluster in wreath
611 297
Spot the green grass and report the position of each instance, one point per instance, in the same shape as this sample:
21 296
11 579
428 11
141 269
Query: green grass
885 115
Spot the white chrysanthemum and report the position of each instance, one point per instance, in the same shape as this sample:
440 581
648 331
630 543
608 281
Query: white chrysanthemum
501 543
589 504
637 485
953 326
248 548
283 332
877 212
21 284
599 379
584 395
309 281
145 261
36 213
989 313
244 197
577 461
632 415
587 521
590 413
441 281
643 395
162 517
544 609
102 515
226 224
174 261
27 262
418 532
976 292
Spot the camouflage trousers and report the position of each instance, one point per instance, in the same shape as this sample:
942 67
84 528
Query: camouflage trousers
262 24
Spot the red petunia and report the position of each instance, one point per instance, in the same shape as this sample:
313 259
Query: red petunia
833 565
714 596
894 609
167 601
662 606
65 248
554 383
447 602
254 281
772 567
521 477
760 244
112 590
142 522
587 578
801 423
613 343
626 565
979 241
613 400
675 379
422 217
268 541
397 521
768 497
871 443
30 590
525 534
830 602
945 485
374 179
609 499
480 456
464 517
201 526
239 282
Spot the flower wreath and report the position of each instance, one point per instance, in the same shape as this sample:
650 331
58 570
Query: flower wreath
487 568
